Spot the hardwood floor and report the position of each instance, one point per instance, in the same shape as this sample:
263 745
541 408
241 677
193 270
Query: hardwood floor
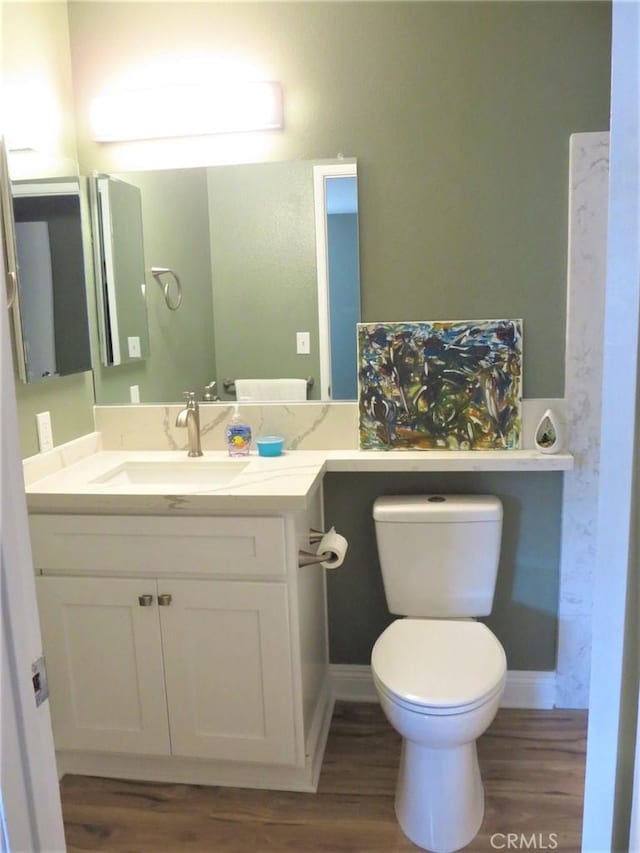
532 764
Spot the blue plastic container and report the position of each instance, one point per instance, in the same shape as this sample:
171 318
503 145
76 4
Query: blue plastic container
270 445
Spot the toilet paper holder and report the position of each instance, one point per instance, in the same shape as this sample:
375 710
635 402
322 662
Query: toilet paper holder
306 558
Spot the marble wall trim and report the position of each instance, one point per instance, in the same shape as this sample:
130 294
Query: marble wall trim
588 194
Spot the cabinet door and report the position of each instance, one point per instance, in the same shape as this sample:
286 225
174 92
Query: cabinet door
104 663
228 670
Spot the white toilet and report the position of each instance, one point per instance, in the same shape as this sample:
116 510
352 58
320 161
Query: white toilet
439 675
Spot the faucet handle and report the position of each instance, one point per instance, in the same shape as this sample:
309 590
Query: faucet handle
210 392
189 396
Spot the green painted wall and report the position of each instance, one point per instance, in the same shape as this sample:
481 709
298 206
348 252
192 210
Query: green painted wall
524 614
175 219
69 399
263 258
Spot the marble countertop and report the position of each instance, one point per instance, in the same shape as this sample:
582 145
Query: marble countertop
447 460
68 478
262 485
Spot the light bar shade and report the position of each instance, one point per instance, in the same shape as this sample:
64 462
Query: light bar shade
187 110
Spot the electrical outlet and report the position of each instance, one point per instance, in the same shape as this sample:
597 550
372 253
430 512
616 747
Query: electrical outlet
303 343
134 393
45 433
134 347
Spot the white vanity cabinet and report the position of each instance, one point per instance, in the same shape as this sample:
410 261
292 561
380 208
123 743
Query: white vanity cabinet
206 675
104 664
184 649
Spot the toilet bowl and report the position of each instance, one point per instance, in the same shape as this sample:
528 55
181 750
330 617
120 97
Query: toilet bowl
440 684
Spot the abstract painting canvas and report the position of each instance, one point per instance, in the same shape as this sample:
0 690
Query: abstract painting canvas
440 385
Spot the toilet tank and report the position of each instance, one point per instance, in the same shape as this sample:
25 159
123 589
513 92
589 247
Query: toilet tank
439 554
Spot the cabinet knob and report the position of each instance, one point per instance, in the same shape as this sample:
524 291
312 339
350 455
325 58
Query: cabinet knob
165 599
145 600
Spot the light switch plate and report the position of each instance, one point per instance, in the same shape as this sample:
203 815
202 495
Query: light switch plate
40 681
134 347
134 393
45 433
303 343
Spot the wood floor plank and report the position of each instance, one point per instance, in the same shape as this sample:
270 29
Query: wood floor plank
532 764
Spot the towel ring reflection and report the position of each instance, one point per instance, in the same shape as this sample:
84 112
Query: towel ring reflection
157 272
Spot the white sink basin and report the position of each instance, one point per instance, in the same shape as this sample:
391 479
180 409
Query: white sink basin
190 474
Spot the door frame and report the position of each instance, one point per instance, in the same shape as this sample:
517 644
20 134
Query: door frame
320 174
613 735
29 789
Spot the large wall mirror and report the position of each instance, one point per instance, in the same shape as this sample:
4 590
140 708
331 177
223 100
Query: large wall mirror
259 279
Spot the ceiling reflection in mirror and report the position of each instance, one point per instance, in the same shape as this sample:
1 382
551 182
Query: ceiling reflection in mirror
267 261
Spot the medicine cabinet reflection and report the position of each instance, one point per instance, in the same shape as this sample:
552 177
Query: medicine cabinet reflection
50 319
116 210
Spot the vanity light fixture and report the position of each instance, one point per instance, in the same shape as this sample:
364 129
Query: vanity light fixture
187 110
39 128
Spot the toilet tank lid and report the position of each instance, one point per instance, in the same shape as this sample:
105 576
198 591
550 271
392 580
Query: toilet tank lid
436 508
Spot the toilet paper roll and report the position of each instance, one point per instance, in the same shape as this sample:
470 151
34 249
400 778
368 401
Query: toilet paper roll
335 545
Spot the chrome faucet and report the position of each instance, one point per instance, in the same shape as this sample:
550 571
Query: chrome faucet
210 395
189 417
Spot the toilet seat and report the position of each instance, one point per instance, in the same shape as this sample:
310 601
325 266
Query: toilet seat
438 666
434 710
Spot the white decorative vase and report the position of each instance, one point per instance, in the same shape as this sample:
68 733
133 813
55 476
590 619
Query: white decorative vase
548 436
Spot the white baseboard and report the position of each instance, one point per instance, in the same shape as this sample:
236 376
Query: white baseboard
529 689
524 689
352 682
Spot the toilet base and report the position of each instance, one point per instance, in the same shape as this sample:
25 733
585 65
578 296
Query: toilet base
439 796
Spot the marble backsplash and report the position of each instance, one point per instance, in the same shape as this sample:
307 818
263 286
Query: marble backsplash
305 426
